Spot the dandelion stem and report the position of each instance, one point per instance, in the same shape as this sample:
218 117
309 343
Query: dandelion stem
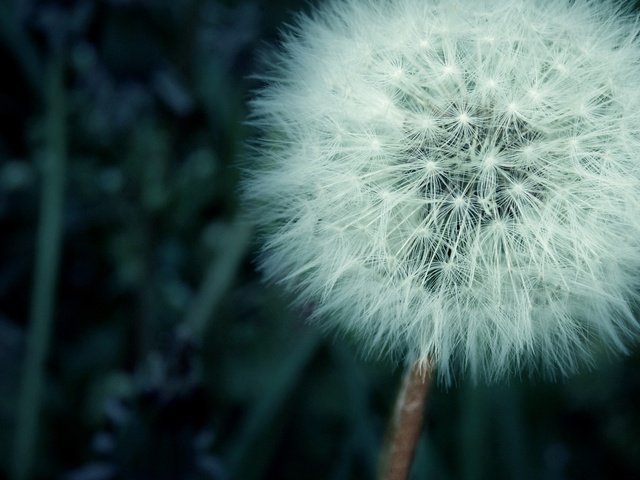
406 423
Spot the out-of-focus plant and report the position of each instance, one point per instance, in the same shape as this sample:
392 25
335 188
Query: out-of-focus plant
162 410
145 153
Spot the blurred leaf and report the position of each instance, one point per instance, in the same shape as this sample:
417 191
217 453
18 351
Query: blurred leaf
218 277
272 400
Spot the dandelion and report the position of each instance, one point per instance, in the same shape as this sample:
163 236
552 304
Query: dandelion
456 183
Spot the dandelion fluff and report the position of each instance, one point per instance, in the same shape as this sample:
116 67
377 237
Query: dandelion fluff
456 181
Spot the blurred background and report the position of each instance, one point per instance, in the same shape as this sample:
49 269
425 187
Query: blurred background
137 340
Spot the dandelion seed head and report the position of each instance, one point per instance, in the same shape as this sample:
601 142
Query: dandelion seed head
456 182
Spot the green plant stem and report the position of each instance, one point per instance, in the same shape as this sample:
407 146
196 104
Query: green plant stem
270 403
48 245
475 422
365 437
220 274
406 423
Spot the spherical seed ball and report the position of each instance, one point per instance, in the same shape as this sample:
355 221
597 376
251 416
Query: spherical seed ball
456 182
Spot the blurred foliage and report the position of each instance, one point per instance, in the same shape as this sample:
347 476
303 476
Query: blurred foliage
169 358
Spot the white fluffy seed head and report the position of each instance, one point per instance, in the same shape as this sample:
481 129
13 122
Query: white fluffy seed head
457 182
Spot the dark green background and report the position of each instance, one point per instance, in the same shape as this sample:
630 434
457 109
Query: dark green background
168 358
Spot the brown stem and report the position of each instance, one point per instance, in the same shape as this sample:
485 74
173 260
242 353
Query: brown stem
406 423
